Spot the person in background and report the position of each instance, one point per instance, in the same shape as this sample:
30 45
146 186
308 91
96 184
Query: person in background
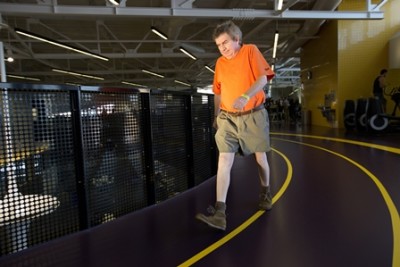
241 119
379 88
286 107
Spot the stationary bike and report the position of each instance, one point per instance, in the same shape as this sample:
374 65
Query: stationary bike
355 114
377 119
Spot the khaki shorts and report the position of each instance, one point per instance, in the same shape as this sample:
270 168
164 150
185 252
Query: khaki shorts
244 134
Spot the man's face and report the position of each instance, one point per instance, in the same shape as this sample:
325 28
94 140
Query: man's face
227 46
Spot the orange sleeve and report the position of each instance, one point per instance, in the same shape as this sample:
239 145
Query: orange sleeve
259 65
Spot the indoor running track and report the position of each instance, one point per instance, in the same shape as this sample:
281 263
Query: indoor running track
336 204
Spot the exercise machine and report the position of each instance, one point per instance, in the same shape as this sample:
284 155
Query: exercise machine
349 114
355 114
378 120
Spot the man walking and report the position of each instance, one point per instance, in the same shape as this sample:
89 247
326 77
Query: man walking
241 119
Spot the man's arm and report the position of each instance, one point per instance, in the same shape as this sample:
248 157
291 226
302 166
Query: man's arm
382 82
258 85
217 101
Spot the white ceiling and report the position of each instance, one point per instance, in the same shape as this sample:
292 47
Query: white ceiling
123 35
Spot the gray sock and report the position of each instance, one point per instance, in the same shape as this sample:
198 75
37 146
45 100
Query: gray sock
264 189
220 206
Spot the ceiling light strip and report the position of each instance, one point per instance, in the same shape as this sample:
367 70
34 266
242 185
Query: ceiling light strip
187 53
153 73
183 83
22 77
210 69
78 74
280 4
159 33
114 2
133 84
47 40
275 44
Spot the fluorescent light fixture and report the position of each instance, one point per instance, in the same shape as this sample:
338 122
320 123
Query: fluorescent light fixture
9 57
22 77
114 2
280 4
275 44
56 43
210 69
159 33
77 74
177 81
204 91
153 73
193 48
273 67
133 84
187 53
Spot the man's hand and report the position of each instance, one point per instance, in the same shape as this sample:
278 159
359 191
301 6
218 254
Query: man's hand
215 124
240 102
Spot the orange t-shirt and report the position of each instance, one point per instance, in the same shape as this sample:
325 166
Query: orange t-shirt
235 76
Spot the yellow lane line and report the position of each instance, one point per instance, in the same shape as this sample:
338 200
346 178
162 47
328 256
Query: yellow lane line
381 147
394 214
247 223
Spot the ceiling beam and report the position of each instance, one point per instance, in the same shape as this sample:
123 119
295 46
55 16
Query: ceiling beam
52 10
116 55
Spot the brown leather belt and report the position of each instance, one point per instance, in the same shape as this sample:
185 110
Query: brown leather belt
241 113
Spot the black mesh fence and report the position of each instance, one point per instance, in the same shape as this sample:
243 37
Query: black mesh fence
113 145
38 181
204 148
170 151
76 157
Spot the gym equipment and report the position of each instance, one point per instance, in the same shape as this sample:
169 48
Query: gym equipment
377 119
349 114
361 114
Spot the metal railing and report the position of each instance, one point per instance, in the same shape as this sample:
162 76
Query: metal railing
81 156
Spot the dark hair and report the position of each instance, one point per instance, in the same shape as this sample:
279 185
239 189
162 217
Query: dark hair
230 28
383 71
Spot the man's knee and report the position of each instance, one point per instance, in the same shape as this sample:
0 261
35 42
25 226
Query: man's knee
226 159
261 158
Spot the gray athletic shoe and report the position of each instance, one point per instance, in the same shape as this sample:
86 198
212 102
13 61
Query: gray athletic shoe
217 219
265 201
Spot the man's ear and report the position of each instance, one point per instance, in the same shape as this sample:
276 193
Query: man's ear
236 38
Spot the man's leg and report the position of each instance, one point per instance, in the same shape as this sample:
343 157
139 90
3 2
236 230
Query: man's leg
263 168
225 163
264 174
217 219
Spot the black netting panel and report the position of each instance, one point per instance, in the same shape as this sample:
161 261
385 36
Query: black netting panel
203 136
3 151
125 153
38 183
113 154
169 133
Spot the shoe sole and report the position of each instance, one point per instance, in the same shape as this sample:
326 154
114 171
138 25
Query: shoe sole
203 218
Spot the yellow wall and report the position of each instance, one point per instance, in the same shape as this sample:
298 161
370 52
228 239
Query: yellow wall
364 51
320 57
354 51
